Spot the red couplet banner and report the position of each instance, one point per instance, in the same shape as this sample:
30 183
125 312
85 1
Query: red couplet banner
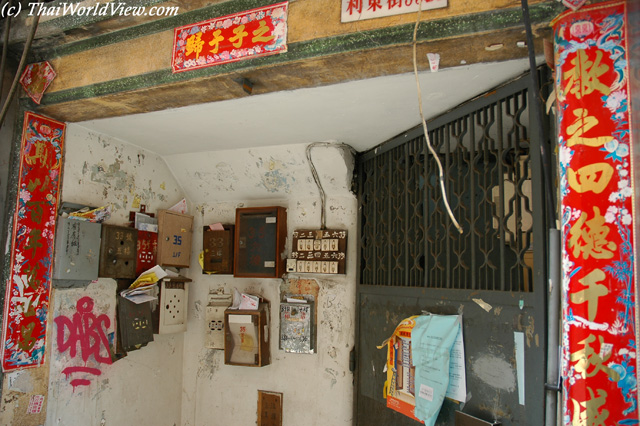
29 285
595 143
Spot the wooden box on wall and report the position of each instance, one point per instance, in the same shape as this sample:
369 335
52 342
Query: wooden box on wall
174 238
118 255
217 247
247 336
259 242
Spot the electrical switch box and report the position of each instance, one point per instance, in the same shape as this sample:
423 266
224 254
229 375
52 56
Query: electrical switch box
260 242
217 246
118 252
174 238
77 250
218 303
169 313
247 336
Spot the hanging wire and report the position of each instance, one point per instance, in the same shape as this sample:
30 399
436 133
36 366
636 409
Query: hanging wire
23 60
317 178
424 124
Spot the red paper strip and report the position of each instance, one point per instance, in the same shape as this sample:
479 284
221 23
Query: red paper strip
27 296
597 219
253 33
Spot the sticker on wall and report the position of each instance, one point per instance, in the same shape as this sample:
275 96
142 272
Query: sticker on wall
595 142
36 78
245 35
32 241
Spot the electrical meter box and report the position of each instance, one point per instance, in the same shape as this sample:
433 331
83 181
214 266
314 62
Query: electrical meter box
169 313
247 336
118 255
77 250
174 239
218 303
259 242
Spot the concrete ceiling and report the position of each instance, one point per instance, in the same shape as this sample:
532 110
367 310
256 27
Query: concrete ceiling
360 113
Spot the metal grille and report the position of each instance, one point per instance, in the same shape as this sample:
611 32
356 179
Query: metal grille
407 238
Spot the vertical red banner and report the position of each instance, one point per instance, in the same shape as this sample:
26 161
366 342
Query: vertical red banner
599 336
28 288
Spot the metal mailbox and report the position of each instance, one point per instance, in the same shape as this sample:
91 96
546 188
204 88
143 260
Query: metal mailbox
118 255
77 250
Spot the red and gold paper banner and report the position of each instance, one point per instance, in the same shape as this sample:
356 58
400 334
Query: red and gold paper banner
36 78
595 141
245 35
29 285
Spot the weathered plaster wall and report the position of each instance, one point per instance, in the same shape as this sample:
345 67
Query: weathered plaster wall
144 386
100 170
317 388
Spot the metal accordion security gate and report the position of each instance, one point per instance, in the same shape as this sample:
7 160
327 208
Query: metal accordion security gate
413 259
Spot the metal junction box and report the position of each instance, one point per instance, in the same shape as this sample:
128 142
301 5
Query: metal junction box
118 254
77 250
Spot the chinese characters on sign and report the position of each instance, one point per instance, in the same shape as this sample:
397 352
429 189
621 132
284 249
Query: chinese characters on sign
253 33
320 251
358 10
597 220
27 296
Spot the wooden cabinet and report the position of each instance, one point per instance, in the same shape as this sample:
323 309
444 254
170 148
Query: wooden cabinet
259 242
175 231
217 249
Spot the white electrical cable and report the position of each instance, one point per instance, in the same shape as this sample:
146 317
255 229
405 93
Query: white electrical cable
424 125
317 178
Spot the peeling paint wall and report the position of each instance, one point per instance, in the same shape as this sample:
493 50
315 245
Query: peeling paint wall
317 388
99 170
141 388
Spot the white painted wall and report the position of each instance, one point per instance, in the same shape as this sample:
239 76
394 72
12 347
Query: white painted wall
175 380
317 388
143 388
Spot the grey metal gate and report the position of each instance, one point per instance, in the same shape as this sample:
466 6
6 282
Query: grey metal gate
413 259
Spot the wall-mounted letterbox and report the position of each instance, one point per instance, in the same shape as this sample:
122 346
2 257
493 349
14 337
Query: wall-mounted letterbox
169 313
259 243
77 250
217 247
118 252
247 336
134 323
147 251
174 238
218 303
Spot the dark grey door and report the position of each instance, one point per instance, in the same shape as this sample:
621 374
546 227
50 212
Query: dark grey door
412 258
